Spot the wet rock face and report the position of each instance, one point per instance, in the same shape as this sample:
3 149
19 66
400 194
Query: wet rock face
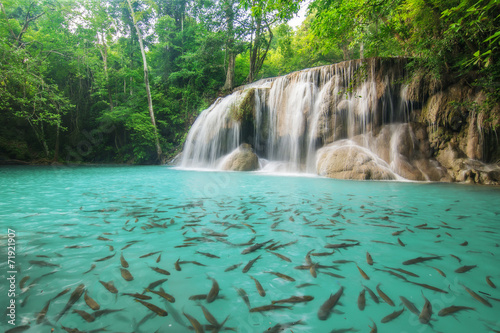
345 160
242 159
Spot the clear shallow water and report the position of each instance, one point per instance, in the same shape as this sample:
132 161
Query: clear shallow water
72 217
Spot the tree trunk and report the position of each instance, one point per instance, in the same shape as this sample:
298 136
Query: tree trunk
104 54
229 84
146 81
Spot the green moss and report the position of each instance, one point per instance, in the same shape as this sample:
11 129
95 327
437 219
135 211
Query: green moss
243 109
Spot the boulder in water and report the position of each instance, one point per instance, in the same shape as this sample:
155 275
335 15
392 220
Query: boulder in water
242 158
346 160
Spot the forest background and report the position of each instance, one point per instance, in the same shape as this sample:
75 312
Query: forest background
121 81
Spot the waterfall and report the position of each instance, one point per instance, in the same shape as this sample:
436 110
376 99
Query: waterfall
290 121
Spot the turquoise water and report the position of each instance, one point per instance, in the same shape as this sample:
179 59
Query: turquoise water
73 217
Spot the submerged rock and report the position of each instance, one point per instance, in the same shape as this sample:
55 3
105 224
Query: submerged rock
241 159
346 160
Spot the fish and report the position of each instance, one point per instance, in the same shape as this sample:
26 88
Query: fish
23 281
42 263
103 238
464 243
18 329
454 256
208 316
372 294
488 280
110 286
426 313
249 264
85 315
149 254
403 271
100 313
41 315
340 246
420 259
160 270
269 308
325 309
397 233
477 297
392 316
303 285
208 254
123 262
177 265
91 268
75 296
283 327
322 254
294 299
453 309
464 269
91 302
439 271
154 308
363 274
136 295
280 256
158 259
254 247
259 287
155 284
232 267
195 323
283 276
384 296
409 305
243 294
61 293
334 275
362 300
106 258
342 261
126 274
214 291
369 259
401 243
429 287
163 294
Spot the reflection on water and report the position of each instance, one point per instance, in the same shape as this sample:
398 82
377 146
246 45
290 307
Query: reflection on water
146 249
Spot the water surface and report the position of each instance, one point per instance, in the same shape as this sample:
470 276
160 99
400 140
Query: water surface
74 218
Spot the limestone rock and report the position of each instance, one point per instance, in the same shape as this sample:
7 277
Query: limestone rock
241 159
346 160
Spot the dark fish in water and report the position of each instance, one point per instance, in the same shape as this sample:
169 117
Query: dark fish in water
75 296
243 294
136 295
488 280
392 316
163 294
464 269
269 308
100 313
294 299
208 316
85 315
386 298
439 271
325 309
334 275
363 274
477 297
397 233
342 261
283 276
250 263
409 305
160 270
42 263
426 313
155 284
254 247
91 302
177 265
123 261
403 271
103 238
322 254
41 315
372 294
282 327
281 256
110 286
453 309
154 308
91 268
259 287
401 243
18 329
23 281
106 258
340 246
232 267
454 256
195 323
214 291
303 285
429 287
208 254
344 330
392 273
420 259
464 243
369 259
126 274
62 293
158 259
199 297
362 300
149 254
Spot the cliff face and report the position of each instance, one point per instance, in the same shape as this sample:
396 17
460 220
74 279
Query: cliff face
354 120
